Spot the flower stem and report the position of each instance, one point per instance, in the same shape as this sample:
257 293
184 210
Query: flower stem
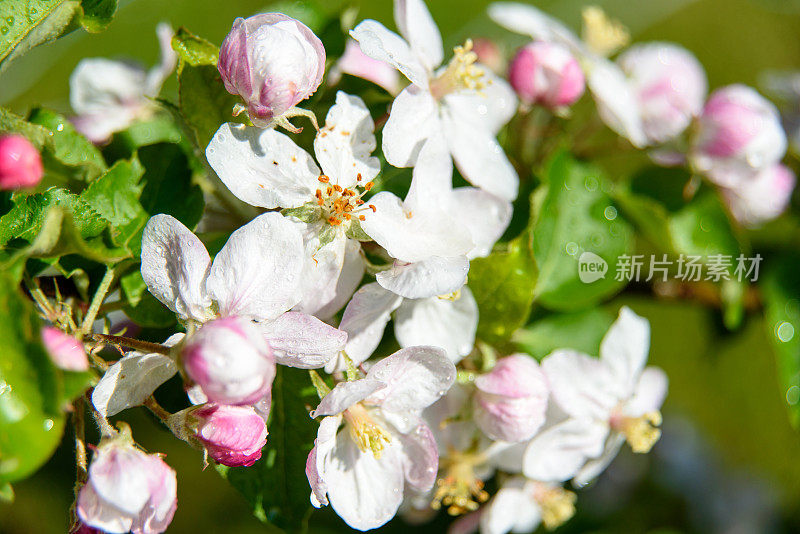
97 301
131 343
79 425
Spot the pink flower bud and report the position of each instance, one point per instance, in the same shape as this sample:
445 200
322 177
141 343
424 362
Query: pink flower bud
739 131
546 73
230 361
670 84
65 351
356 63
20 163
127 490
232 435
489 54
511 399
273 62
762 196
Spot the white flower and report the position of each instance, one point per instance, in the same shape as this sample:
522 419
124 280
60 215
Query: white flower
617 103
520 505
385 446
267 169
762 196
607 400
460 103
108 95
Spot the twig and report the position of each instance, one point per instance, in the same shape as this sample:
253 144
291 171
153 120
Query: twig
97 301
144 346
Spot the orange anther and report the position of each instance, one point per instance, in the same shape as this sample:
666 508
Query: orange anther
373 208
324 179
358 177
334 221
361 218
368 185
359 202
329 191
338 188
347 216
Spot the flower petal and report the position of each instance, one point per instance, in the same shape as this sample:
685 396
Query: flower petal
584 387
167 63
616 101
345 144
625 346
597 465
130 381
303 341
510 507
100 86
262 167
649 393
488 109
427 278
420 457
175 265
345 394
364 320
557 453
416 24
323 444
257 272
483 214
528 20
349 278
414 117
379 43
98 514
449 324
322 267
415 378
119 477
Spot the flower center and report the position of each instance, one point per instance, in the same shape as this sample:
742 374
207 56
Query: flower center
368 435
461 73
603 35
641 432
558 504
459 489
341 204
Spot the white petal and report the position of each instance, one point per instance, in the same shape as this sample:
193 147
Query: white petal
616 101
584 387
625 346
484 215
413 235
431 277
345 144
488 109
169 58
365 491
300 340
649 393
415 378
479 157
103 86
345 394
99 514
175 265
528 20
262 167
323 445
596 466
420 457
349 278
119 476
432 179
416 24
364 320
257 272
449 324
130 381
379 43
414 117
99 127
559 452
506 508
322 267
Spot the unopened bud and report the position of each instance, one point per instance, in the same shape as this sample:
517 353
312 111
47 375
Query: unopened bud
20 163
547 74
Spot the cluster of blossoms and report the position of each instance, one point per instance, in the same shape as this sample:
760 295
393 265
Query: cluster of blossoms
425 427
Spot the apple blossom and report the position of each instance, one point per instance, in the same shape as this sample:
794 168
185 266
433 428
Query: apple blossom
739 132
608 401
232 435
230 360
511 399
107 95
273 62
670 85
521 505
279 173
546 73
356 63
617 103
20 163
460 103
65 351
761 197
128 490
385 447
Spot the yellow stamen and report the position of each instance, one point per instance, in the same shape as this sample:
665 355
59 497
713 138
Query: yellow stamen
459 490
368 435
603 34
558 505
461 73
454 296
642 432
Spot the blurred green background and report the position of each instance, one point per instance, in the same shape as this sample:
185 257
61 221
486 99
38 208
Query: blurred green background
728 462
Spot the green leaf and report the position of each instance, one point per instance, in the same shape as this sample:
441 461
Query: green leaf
143 308
781 290
97 14
31 420
36 134
503 285
702 228
71 153
204 102
581 331
25 24
275 486
577 216
194 50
